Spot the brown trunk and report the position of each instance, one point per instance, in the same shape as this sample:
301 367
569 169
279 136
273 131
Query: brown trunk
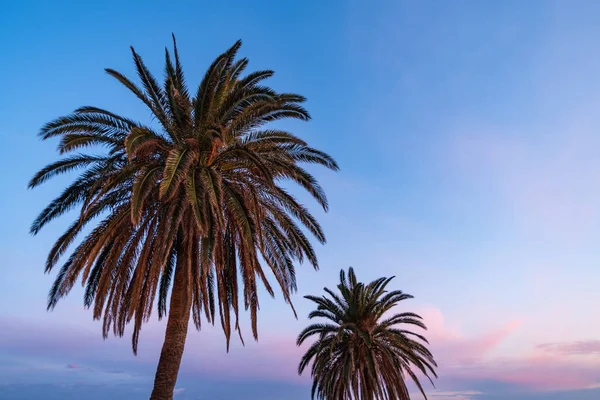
175 335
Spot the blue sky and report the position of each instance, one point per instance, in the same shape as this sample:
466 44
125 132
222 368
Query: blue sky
467 135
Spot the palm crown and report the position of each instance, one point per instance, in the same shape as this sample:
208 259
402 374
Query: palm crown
359 353
197 201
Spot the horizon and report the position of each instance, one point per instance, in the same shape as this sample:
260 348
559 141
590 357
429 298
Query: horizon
466 136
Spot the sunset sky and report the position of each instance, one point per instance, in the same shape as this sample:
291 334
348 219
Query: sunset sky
468 136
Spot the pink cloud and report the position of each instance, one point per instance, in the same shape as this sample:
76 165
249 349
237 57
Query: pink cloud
73 366
466 359
453 347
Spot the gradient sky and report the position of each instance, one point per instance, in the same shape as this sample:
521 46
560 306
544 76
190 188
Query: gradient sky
468 136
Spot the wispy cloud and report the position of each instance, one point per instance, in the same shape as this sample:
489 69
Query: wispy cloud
583 347
460 395
178 391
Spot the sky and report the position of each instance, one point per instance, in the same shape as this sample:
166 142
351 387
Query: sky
467 133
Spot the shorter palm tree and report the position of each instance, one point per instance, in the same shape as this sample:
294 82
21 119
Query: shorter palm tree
361 352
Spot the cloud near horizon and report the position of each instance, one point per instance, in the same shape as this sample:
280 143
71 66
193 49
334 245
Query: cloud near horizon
466 362
178 391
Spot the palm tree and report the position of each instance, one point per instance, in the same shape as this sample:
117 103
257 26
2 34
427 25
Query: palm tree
360 351
190 205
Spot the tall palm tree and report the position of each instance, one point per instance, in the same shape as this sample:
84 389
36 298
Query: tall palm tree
192 203
361 352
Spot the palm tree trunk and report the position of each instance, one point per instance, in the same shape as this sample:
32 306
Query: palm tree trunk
176 333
